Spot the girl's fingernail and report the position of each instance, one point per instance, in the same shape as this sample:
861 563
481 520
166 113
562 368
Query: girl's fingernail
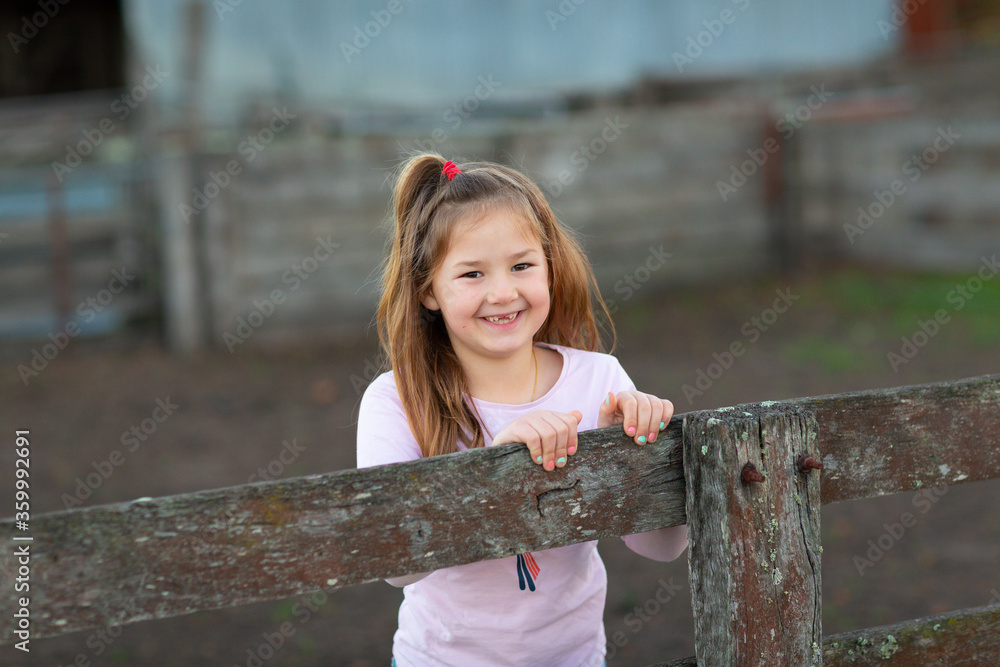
538 460
662 425
572 450
607 399
562 459
642 440
631 430
549 465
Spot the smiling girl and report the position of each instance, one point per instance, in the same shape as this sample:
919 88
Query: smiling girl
487 322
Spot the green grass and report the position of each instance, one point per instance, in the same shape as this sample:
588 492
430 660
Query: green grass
119 656
898 301
284 610
829 355
845 321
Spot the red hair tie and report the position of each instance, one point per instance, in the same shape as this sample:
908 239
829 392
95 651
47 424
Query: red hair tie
450 169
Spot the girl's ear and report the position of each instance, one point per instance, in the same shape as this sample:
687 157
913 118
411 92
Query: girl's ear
430 303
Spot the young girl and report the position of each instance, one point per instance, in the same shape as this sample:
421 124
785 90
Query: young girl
487 323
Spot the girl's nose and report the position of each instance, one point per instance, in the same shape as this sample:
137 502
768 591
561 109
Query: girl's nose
501 291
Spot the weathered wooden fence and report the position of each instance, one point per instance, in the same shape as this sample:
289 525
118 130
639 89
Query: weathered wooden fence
744 479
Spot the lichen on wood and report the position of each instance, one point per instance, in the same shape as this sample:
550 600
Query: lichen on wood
754 553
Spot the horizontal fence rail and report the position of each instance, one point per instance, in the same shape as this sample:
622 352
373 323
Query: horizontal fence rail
967 638
893 440
157 558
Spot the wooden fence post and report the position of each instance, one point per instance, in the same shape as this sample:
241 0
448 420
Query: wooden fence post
754 552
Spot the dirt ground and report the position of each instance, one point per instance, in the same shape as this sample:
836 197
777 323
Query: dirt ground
234 412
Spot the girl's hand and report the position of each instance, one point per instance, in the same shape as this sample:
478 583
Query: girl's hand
550 436
643 415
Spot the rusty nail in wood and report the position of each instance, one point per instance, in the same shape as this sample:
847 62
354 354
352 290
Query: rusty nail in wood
807 463
750 474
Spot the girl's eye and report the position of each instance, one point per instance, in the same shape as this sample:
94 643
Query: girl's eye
472 274
522 266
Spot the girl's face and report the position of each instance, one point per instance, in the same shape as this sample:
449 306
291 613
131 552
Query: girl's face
492 287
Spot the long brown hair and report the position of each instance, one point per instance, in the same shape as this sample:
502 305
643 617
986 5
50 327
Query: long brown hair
426 205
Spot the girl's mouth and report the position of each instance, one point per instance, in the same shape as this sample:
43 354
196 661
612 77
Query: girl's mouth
502 319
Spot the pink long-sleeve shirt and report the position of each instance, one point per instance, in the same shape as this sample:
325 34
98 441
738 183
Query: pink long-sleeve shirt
540 608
